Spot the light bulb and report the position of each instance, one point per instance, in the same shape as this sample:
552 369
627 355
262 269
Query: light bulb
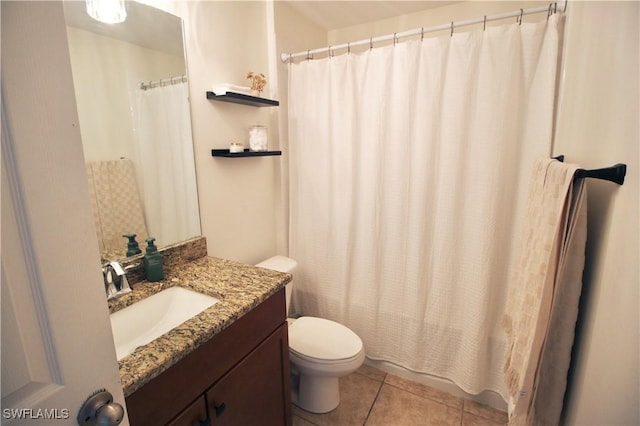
107 11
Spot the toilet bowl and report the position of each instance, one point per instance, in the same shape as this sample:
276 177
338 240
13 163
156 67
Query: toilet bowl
320 351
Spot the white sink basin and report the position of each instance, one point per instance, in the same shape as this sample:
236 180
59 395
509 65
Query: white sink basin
150 318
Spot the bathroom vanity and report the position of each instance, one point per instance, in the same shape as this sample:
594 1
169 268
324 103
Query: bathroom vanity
228 365
241 375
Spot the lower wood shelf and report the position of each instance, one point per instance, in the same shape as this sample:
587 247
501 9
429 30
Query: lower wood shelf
245 153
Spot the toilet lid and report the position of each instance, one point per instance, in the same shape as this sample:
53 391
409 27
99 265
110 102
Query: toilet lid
323 339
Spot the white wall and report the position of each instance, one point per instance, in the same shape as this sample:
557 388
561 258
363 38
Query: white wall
597 126
243 213
224 40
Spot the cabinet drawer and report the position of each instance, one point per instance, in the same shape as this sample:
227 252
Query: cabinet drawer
256 391
165 396
193 415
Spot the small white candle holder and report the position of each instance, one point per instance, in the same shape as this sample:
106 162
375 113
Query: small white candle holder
236 147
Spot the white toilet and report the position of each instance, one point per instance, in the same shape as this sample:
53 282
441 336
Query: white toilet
320 350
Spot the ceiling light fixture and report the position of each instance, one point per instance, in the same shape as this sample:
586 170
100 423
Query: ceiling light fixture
107 11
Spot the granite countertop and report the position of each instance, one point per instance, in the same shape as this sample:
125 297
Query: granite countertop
239 287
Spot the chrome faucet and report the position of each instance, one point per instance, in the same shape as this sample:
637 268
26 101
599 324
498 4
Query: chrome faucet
115 280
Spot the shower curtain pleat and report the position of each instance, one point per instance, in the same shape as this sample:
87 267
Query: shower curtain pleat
165 146
409 166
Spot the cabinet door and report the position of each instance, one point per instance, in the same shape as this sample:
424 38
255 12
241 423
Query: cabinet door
194 415
257 390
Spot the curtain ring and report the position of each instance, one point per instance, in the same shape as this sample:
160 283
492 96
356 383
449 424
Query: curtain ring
565 5
549 11
555 7
484 23
521 13
370 43
290 59
395 40
451 28
348 47
330 52
422 34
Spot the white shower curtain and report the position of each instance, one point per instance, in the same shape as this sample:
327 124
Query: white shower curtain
165 147
409 166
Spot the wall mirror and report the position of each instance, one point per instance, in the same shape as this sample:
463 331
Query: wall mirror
132 97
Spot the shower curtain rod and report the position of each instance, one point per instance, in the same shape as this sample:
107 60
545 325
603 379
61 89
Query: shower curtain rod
550 9
163 82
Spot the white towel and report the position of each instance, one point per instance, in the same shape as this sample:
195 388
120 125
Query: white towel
222 89
543 299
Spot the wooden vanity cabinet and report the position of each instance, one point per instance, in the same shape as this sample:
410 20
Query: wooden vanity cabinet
239 377
252 392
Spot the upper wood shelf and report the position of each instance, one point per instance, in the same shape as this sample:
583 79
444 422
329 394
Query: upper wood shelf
240 98
245 153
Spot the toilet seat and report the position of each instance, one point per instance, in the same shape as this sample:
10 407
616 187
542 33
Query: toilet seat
323 341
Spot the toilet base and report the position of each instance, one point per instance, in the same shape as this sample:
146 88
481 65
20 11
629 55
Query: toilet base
317 378
317 394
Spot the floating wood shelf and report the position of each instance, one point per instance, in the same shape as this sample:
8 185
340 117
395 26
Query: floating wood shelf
240 98
245 153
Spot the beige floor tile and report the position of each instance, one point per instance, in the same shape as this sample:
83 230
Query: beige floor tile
397 407
489 413
372 373
357 393
424 391
469 419
299 421
399 402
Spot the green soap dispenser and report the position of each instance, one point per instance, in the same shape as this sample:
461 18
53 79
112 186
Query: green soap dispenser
152 262
132 246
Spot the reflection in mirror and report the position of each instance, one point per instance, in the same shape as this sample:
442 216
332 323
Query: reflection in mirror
132 98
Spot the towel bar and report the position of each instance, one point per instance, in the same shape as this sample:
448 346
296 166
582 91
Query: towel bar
615 173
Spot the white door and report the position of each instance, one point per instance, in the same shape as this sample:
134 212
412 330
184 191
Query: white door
56 337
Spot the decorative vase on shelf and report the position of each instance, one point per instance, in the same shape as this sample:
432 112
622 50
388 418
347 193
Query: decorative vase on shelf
257 83
257 138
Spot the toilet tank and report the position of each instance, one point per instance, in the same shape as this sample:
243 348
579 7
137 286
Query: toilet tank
282 264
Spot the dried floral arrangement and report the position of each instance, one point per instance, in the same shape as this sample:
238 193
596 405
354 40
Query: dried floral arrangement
257 81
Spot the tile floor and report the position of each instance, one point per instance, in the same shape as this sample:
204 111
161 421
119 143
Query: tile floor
374 398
